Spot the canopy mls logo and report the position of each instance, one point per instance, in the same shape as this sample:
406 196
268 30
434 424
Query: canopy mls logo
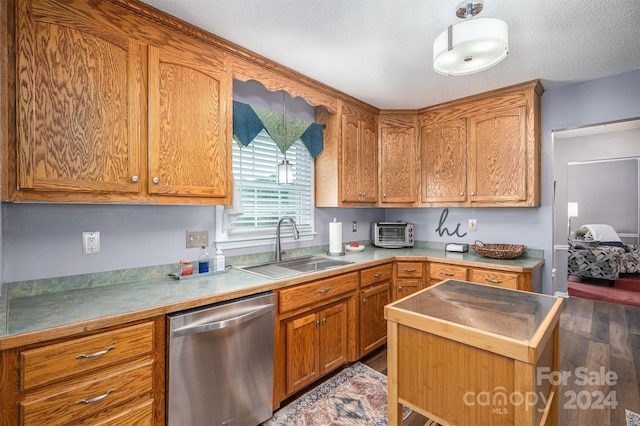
500 400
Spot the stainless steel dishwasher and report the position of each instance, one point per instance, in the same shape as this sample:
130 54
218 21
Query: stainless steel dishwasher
220 363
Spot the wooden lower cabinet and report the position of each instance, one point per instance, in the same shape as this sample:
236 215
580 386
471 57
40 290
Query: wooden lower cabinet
113 377
316 329
526 281
408 278
375 293
316 343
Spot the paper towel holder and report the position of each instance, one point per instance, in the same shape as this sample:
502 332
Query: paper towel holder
342 249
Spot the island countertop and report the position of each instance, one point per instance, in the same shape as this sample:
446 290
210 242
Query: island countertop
47 316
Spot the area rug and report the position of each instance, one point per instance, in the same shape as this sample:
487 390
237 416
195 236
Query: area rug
633 419
357 396
626 290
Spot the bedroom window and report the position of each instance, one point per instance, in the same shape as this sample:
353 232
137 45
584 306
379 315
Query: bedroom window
262 200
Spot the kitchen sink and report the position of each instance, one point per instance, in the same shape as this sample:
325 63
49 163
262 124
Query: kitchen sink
292 267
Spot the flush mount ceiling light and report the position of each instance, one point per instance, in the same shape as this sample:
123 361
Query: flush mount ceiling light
472 45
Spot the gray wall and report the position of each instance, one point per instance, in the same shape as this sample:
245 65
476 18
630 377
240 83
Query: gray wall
44 240
606 192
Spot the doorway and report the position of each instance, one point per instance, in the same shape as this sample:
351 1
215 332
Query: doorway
605 141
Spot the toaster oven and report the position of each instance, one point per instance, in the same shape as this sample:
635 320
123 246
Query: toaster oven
392 234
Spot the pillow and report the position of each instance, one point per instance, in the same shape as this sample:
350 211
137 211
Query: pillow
603 232
615 244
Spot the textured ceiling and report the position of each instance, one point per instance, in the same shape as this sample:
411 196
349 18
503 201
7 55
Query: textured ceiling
380 51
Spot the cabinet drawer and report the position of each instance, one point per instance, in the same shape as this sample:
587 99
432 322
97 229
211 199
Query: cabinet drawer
308 294
498 279
441 271
374 275
408 269
134 413
54 362
90 396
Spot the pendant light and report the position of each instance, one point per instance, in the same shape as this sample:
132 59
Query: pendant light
285 170
472 45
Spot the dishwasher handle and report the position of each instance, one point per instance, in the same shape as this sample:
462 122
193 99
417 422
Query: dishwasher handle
218 325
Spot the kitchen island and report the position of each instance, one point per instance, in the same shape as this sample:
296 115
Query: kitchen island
468 354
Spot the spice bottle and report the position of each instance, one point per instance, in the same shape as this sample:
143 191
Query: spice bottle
203 260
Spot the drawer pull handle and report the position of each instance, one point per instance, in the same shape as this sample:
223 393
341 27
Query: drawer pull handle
96 399
96 354
377 275
447 274
409 270
493 281
325 290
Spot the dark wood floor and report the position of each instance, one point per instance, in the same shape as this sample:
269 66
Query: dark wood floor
593 335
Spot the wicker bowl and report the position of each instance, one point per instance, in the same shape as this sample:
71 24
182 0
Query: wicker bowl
498 251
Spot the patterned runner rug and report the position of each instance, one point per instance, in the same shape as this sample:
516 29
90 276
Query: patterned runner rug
357 396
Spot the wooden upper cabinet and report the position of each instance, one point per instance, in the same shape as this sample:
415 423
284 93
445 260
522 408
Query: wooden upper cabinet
398 158
498 157
188 147
483 151
78 103
443 148
359 157
103 115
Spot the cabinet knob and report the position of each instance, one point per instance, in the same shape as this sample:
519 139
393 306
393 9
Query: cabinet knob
462 194
324 321
318 323
473 193
155 180
134 179
384 195
400 288
364 301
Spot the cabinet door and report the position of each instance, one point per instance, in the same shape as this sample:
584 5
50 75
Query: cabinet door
302 353
368 162
373 326
397 158
188 144
333 337
498 156
350 159
359 171
444 166
78 106
406 287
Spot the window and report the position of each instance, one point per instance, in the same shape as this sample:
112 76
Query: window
264 201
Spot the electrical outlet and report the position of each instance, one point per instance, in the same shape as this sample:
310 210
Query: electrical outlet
473 225
91 242
354 226
196 239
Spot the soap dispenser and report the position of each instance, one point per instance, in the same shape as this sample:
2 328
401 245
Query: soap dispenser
218 260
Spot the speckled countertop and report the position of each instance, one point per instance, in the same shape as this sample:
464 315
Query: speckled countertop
65 313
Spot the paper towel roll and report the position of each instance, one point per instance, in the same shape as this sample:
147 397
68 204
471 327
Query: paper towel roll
335 237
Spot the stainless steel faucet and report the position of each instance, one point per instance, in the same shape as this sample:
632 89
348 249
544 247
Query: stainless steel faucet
296 235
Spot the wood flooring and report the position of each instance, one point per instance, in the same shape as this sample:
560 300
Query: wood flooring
595 338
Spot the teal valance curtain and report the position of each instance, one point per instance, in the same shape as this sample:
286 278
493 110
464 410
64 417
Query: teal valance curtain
248 121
